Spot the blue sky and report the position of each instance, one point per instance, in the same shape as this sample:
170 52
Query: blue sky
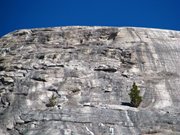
20 14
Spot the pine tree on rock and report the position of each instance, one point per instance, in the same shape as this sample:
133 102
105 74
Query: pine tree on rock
135 96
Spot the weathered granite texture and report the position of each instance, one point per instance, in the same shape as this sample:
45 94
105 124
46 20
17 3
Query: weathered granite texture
76 80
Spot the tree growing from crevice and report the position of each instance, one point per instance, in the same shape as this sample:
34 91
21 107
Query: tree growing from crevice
52 101
135 95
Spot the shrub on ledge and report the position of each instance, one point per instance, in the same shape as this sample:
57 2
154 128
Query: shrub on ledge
135 96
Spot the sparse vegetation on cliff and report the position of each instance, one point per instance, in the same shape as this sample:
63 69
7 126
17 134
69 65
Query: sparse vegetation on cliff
52 101
135 96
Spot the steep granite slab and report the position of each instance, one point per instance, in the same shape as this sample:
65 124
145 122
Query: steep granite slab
76 80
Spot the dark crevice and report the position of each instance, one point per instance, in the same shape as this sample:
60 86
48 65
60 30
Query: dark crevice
75 90
112 36
2 67
107 91
55 66
38 79
21 94
27 122
1 59
54 90
40 56
111 70
124 75
68 47
126 104
5 82
130 62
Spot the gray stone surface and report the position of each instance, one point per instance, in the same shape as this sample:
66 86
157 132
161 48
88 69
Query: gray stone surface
90 71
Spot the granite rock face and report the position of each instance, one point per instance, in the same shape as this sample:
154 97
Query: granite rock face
76 80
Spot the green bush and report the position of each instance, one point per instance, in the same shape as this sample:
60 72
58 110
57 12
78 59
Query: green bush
52 101
135 96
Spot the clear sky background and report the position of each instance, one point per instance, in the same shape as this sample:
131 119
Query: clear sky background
21 14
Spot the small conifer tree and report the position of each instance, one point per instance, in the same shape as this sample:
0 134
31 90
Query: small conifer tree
135 96
52 101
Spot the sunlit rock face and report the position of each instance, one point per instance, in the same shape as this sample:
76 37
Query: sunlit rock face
76 80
